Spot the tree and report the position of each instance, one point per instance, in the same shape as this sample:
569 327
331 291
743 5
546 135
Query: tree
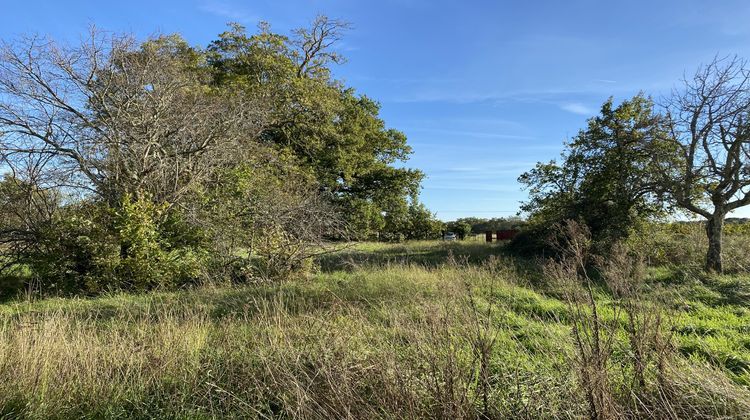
112 117
27 208
708 171
422 223
266 219
460 227
481 225
334 133
605 178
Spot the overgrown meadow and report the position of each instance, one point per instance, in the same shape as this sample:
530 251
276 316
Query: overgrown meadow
419 329
229 230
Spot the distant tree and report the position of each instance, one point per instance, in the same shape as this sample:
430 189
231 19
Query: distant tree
481 225
708 172
422 223
460 227
605 178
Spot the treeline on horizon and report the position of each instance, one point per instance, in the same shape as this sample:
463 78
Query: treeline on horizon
477 225
137 165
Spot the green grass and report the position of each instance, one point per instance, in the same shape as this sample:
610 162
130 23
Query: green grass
710 317
380 331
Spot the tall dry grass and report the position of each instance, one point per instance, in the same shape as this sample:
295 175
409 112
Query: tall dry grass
458 340
685 245
622 352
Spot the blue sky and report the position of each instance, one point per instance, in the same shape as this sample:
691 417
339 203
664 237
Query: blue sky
483 89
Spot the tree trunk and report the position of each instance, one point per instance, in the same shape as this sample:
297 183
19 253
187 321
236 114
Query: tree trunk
714 228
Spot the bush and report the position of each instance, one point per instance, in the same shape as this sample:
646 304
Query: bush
254 224
92 248
535 240
77 252
147 258
265 223
461 228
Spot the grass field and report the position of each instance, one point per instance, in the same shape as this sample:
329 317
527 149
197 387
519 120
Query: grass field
423 329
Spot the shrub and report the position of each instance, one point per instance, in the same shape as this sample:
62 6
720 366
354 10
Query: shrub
77 252
147 258
90 248
265 223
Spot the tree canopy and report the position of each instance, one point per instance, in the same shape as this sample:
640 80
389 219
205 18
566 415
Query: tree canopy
331 131
606 174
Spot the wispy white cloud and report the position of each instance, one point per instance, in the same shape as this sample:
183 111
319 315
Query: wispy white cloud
490 187
465 95
465 92
228 11
347 47
468 134
469 121
415 80
490 170
424 147
576 108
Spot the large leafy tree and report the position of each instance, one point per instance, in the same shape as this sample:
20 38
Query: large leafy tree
605 177
337 135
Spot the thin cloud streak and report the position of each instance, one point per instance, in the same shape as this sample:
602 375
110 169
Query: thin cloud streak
227 11
468 95
475 134
577 108
473 187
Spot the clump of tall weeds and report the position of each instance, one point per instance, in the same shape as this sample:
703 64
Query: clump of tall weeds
624 358
593 334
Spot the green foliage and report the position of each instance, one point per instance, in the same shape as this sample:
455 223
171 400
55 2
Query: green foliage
683 244
422 223
77 252
605 179
330 130
148 259
91 248
460 227
409 220
142 256
265 219
481 225
366 219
